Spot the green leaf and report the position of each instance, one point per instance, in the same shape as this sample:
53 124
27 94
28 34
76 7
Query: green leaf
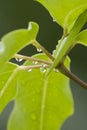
15 41
82 38
67 43
65 12
7 84
41 103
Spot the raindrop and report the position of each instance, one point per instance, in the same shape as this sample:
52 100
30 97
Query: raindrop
35 62
44 65
39 50
43 68
56 70
29 70
19 59
33 116
2 48
54 20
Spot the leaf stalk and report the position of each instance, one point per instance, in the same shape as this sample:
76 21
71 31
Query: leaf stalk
72 76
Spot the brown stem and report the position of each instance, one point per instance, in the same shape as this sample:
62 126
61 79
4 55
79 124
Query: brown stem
72 76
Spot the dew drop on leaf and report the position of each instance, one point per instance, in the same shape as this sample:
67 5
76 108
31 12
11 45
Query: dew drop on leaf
39 50
29 70
56 70
43 68
44 65
35 62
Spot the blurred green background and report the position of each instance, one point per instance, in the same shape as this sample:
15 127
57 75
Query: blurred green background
16 14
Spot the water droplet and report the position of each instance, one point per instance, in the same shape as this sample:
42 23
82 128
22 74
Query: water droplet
35 62
39 50
2 48
44 65
30 26
56 70
29 70
43 68
33 116
54 20
19 59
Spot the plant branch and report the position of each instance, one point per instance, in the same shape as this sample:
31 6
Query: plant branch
72 76
38 45
32 59
32 67
60 67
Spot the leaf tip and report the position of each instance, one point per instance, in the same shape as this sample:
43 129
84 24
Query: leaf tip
32 25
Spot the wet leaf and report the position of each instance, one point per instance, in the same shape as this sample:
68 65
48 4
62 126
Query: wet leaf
7 84
41 103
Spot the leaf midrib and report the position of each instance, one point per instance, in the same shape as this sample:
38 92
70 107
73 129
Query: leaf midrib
43 103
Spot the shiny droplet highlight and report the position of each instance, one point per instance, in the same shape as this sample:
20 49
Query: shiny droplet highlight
39 50
29 70
19 59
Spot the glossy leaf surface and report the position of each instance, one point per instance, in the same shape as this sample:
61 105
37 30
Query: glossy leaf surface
7 84
41 103
65 12
14 41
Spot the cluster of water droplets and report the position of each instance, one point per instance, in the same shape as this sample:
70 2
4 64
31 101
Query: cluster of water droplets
18 59
43 68
35 62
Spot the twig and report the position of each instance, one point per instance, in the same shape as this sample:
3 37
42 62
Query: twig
72 76
32 59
